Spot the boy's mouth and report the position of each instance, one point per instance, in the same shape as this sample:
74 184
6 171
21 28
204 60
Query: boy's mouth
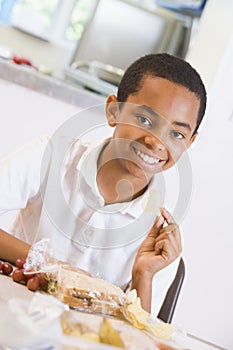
146 158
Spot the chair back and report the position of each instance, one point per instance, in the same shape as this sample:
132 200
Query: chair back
168 307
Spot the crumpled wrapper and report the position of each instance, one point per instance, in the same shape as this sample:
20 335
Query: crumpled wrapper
33 325
40 258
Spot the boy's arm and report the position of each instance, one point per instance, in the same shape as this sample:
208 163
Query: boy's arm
161 247
12 248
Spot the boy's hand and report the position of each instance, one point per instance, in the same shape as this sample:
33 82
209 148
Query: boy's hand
160 248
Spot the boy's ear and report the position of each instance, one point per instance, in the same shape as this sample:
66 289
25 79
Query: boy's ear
112 110
193 138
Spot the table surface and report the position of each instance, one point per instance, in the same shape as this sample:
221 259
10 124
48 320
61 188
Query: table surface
9 328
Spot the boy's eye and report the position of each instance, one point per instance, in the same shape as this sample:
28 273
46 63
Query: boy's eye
144 120
177 135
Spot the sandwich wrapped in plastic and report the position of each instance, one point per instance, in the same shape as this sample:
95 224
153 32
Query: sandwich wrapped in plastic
84 292
73 286
79 290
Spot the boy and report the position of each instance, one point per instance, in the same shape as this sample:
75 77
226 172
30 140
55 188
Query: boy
106 227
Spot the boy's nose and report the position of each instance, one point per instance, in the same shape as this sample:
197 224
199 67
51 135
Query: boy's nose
154 142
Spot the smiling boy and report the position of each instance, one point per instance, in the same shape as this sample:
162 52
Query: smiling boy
160 103
152 130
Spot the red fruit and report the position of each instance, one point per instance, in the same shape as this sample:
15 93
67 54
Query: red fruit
7 268
19 263
18 275
43 283
1 264
33 283
29 275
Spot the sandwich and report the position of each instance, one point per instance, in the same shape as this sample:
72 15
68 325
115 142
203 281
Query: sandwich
83 292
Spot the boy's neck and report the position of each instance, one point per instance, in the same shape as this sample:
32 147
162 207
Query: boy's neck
115 184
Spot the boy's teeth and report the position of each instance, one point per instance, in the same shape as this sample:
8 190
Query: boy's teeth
146 158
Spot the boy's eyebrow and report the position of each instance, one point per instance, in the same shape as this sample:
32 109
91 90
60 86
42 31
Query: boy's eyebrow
184 125
155 114
149 110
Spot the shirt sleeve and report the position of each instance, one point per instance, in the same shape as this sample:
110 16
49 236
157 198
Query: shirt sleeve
20 175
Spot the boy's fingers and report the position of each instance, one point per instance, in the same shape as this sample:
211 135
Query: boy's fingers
167 216
158 224
171 228
159 221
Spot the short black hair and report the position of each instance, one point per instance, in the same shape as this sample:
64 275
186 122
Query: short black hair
166 66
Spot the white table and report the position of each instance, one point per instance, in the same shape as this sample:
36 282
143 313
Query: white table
10 330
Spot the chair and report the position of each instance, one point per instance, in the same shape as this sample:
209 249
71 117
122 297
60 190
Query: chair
168 307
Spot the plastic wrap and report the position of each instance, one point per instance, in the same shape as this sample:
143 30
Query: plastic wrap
73 286
40 258
86 293
79 290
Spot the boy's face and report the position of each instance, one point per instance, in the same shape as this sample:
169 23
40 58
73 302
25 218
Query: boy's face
154 127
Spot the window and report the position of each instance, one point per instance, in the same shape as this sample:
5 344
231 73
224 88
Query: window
34 16
60 21
78 19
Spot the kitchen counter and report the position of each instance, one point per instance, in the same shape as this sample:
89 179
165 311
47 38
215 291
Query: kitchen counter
58 88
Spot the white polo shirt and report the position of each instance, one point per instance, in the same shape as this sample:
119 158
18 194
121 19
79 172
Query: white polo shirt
53 187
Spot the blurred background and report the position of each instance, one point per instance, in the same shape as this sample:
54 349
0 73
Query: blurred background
92 34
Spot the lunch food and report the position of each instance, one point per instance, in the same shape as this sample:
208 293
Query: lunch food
105 333
105 330
141 319
81 291
109 335
72 286
19 263
32 280
6 267
108 330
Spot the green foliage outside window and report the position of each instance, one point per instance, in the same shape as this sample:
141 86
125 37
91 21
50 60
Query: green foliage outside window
78 19
43 6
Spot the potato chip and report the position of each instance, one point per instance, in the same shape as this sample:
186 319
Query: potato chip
140 319
91 336
134 312
161 330
108 334
131 297
137 314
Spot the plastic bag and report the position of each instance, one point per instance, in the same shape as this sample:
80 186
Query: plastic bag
73 286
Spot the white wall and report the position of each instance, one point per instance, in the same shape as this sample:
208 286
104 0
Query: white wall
26 115
206 306
213 34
